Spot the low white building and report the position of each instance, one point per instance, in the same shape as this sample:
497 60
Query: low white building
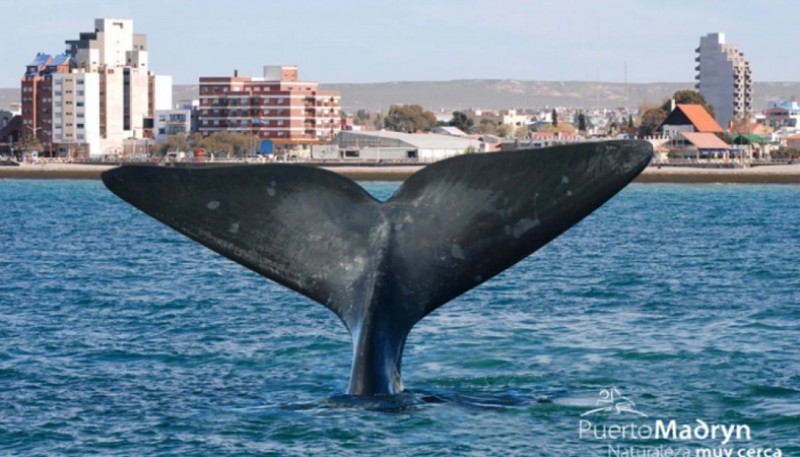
386 145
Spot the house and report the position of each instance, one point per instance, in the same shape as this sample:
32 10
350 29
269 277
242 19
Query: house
698 145
688 118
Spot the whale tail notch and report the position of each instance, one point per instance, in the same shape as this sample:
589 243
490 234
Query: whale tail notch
383 266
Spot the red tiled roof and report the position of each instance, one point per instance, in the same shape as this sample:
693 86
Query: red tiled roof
700 118
704 140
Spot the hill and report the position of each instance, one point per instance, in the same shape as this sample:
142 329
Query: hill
496 94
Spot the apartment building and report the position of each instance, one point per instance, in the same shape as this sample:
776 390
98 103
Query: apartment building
97 95
75 117
724 78
276 106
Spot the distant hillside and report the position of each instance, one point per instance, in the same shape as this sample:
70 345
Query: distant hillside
496 94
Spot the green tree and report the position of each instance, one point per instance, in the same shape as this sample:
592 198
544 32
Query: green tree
29 143
462 122
522 132
690 97
554 118
581 122
409 118
651 119
630 121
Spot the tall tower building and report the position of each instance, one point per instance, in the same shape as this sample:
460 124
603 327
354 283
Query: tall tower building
99 93
724 78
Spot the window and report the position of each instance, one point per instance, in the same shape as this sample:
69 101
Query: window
80 83
80 93
78 103
80 126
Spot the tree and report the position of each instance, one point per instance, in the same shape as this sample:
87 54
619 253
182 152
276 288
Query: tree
522 132
690 97
651 119
362 117
504 130
218 142
581 122
179 142
630 121
409 118
29 143
487 127
554 118
462 122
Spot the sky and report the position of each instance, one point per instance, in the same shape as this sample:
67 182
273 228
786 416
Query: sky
359 41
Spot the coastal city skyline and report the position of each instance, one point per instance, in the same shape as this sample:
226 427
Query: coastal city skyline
358 42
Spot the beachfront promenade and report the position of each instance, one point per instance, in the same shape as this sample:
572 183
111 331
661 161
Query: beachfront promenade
779 174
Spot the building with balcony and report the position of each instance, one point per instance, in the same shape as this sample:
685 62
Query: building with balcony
782 114
277 106
171 122
97 95
724 78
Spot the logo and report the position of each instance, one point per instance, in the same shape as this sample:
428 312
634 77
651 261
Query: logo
624 431
612 401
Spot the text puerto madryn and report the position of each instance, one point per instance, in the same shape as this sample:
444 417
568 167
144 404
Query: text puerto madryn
635 437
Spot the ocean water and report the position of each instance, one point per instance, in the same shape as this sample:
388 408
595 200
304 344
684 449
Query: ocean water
120 337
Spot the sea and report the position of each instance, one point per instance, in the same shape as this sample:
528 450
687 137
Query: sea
667 323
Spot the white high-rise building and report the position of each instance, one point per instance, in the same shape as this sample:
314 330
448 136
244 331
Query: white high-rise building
128 93
724 78
76 116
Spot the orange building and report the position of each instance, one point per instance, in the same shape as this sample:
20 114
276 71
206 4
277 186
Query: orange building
276 106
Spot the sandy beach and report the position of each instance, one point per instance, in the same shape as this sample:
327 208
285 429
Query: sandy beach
778 174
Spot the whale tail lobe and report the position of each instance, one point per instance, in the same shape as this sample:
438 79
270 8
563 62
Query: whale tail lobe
383 266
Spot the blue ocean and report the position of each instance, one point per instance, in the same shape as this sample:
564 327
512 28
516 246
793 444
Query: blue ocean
666 323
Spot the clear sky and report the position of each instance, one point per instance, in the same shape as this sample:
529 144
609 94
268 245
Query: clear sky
340 41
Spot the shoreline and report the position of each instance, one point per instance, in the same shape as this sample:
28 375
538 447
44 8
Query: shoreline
777 174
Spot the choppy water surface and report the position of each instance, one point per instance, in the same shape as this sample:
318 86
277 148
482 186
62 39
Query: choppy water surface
120 337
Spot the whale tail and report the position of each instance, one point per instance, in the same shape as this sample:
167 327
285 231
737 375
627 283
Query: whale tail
383 266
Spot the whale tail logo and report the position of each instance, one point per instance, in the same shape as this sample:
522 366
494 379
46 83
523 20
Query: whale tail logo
612 401
383 266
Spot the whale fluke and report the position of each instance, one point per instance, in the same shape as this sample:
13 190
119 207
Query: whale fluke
383 266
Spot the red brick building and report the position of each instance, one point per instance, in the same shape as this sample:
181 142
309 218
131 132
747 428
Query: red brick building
37 97
276 106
